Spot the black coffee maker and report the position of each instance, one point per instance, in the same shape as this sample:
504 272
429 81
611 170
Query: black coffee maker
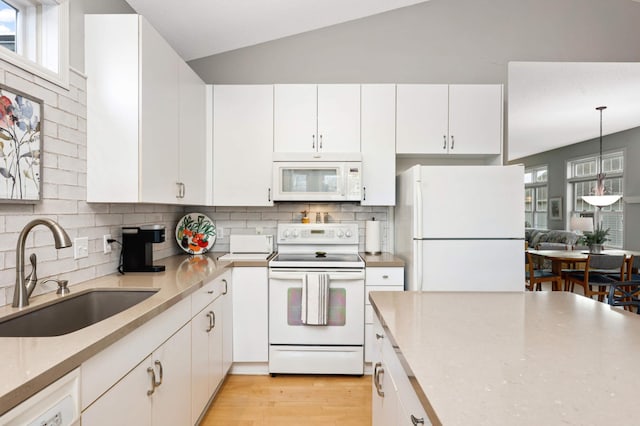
137 250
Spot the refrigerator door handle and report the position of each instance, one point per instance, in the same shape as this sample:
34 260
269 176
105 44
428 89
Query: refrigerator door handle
418 210
419 265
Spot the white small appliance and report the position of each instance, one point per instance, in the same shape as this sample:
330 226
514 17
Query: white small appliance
461 228
316 300
323 179
249 247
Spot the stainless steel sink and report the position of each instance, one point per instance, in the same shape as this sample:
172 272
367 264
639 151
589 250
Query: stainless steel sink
72 312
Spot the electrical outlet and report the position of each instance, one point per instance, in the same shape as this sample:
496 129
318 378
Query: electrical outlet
259 230
80 247
220 233
106 247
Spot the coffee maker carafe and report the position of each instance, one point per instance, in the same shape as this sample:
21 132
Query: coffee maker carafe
137 250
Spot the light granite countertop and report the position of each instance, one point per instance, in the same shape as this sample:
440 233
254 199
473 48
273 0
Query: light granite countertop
515 358
381 260
30 364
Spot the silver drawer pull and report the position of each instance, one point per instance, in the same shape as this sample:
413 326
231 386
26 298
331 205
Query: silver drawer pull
416 421
379 336
153 381
385 276
377 371
210 292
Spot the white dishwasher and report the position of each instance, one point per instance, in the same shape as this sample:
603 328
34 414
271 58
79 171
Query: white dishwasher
56 405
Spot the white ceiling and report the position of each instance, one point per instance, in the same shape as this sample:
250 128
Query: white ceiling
552 104
197 28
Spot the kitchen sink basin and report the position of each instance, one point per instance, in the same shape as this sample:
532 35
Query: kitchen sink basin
72 312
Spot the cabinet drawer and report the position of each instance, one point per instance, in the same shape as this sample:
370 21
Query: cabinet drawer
385 276
208 293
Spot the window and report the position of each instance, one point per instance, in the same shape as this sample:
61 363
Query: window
536 197
581 178
34 36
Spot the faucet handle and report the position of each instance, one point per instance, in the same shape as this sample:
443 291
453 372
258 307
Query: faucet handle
32 278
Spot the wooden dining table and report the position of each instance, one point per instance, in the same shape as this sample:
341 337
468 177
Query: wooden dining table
560 258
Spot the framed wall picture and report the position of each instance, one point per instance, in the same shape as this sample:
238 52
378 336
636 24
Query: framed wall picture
555 208
20 146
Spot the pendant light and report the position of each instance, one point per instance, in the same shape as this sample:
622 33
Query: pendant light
600 197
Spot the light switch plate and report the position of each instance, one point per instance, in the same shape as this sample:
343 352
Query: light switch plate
80 247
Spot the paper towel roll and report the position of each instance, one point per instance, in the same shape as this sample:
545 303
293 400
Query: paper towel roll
372 237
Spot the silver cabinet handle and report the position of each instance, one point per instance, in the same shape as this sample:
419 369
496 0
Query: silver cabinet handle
377 371
313 141
269 195
416 421
444 145
364 193
179 188
159 365
210 292
385 277
320 146
225 287
210 326
453 141
379 336
153 381
213 319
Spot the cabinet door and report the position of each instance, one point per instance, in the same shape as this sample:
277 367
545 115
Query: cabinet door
193 142
215 344
250 315
227 326
171 401
199 363
295 118
378 144
242 145
339 118
159 123
422 119
475 118
126 403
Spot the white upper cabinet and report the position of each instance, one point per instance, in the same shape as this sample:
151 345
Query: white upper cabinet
145 116
242 145
422 118
317 118
192 187
475 118
449 119
378 144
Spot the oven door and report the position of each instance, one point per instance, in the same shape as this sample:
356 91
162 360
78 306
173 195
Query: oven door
345 321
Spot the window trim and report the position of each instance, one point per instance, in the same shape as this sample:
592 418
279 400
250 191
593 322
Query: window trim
534 185
61 77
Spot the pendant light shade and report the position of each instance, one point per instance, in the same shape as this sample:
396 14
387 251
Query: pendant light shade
600 197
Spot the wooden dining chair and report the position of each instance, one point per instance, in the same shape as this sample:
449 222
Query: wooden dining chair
594 279
535 277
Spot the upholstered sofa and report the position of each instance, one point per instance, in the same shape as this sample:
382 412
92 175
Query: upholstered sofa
554 239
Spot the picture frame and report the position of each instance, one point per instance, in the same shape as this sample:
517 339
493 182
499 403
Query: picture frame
21 130
555 208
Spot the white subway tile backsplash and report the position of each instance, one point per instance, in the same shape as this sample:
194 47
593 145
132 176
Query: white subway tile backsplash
71 135
57 146
46 207
61 117
18 82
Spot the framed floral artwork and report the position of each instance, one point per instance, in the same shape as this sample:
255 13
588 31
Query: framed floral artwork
20 146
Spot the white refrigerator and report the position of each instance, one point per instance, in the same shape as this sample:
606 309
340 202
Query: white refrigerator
461 228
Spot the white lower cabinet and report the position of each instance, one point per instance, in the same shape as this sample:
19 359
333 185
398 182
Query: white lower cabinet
156 392
378 279
250 315
393 402
208 345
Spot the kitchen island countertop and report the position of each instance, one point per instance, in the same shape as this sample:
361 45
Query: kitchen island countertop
515 358
31 363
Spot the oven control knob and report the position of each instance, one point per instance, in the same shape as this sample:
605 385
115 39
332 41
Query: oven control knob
340 233
286 233
295 233
348 234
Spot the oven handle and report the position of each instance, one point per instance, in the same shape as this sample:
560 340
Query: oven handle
333 276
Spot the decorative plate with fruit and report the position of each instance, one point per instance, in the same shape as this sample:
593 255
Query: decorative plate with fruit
195 233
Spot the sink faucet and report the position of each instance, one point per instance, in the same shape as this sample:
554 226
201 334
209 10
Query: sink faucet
25 285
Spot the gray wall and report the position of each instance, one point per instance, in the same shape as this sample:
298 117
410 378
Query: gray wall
440 41
557 159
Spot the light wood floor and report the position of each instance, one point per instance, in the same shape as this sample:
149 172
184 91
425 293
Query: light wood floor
292 400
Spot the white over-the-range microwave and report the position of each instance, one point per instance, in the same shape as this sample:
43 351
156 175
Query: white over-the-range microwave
335 177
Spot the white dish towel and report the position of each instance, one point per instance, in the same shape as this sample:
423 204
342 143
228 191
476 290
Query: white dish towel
315 299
